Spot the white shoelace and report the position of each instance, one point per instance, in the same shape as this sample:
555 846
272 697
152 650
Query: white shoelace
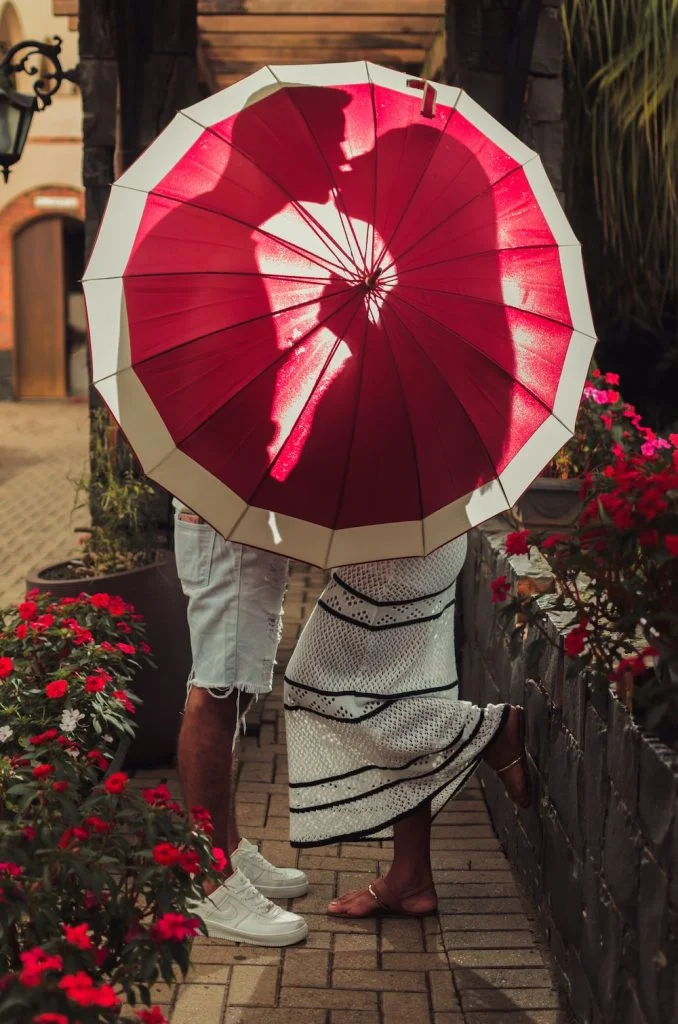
251 897
252 853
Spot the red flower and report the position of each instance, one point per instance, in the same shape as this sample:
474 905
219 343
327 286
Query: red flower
41 771
35 962
671 544
57 688
100 600
29 833
517 543
116 782
189 862
122 627
606 421
202 818
70 834
6 666
158 796
105 646
68 600
44 737
82 636
43 622
126 648
145 649
165 853
80 989
612 378
500 589
220 858
21 631
98 759
174 928
124 700
100 956
27 610
555 538
93 684
59 787
98 824
51 1018
8 867
575 642
117 606
152 1016
77 935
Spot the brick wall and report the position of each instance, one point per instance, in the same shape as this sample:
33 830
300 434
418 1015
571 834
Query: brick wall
598 849
16 215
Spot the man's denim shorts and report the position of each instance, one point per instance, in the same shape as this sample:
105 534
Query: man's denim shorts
235 596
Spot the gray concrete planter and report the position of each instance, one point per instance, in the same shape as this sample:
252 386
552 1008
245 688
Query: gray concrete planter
548 504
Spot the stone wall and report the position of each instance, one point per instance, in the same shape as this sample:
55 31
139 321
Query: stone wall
598 849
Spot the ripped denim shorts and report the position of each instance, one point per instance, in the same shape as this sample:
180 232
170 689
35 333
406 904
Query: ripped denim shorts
235 595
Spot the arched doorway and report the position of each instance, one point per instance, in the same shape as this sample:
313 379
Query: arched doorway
49 317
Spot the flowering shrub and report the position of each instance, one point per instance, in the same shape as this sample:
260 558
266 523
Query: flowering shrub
95 874
618 576
607 428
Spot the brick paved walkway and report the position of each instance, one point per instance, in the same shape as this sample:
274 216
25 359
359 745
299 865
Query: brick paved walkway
478 962
43 448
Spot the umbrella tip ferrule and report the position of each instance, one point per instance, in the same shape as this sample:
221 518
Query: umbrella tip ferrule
370 281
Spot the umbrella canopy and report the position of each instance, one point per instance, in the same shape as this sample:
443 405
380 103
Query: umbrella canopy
339 313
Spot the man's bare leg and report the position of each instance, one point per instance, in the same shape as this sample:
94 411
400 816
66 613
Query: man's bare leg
207 762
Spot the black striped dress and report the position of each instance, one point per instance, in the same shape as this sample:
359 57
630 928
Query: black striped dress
374 724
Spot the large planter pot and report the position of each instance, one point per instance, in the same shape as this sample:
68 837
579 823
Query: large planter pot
548 504
156 593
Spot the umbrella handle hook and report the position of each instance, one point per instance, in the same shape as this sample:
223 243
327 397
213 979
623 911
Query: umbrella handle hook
428 100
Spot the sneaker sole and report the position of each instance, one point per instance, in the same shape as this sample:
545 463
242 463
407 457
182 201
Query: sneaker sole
290 938
283 892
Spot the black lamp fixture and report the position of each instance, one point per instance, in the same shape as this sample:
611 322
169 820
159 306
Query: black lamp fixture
16 108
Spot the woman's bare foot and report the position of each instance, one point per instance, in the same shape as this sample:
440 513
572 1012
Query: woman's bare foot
378 900
506 755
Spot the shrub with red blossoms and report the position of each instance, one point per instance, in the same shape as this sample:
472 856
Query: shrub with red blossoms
113 918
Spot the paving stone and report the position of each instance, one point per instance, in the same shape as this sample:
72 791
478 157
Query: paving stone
216 951
518 998
269 1015
398 935
330 998
305 967
519 1017
198 1003
253 986
361 961
381 981
484 922
489 940
278 852
354 1017
529 957
404 1007
355 943
448 1018
443 993
499 977
415 961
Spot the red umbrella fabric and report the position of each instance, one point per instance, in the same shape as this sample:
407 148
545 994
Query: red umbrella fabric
339 313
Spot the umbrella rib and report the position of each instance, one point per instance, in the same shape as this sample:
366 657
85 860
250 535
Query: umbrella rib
337 189
410 429
230 327
282 354
458 401
491 302
483 355
375 175
387 245
351 442
400 272
297 249
464 206
315 226
338 340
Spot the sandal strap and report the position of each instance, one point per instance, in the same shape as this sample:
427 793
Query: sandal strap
377 898
518 760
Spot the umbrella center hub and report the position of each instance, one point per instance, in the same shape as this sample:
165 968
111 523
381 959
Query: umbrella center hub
371 281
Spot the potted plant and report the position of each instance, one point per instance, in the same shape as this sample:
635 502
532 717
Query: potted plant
605 425
95 875
122 555
617 576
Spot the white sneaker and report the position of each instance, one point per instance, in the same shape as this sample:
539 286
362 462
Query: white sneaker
278 883
238 911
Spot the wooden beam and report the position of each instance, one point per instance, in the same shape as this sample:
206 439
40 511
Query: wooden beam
327 24
60 7
433 67
383 7
252 56
222 43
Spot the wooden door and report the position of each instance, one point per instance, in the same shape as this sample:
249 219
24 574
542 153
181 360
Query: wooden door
40 310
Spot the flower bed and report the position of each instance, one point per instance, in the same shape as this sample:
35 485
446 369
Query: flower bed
95 875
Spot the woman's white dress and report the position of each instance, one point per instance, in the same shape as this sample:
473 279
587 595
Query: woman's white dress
374 724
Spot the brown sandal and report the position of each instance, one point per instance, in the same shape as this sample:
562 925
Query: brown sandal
521 759
382 904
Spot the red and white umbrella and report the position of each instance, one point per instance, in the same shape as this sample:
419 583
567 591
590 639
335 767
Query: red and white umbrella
339 313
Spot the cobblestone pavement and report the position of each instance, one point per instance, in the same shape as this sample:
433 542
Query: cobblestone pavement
478 961
43 448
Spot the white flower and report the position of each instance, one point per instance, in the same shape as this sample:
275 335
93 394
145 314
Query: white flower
69 719
107 738
73 753
5 733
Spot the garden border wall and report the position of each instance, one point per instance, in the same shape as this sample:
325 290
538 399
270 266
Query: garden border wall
598 849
